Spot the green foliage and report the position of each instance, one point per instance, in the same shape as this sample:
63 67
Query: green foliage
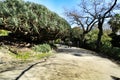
106 40
115 23
37 52
111 52
31 20
25 56
4 33
76 33
76 36
91 38
106 48
44 48
115 26
58 41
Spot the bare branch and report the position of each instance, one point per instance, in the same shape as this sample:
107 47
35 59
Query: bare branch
90 28
89 25
110 8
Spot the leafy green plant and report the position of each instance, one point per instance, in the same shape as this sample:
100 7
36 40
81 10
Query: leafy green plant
4 32
44 48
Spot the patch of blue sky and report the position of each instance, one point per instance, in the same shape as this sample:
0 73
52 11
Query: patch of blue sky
57 5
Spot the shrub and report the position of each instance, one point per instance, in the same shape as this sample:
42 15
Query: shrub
113 53
106 48
44 48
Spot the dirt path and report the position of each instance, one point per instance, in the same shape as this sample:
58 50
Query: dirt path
68 64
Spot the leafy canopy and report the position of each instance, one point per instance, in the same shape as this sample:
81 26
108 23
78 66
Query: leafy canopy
31 20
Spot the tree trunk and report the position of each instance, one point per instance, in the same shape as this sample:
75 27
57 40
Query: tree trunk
83 39
98 44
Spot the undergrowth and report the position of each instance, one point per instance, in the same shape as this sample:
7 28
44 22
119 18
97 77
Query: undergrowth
37 52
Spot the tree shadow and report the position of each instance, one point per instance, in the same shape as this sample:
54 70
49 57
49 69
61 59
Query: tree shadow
8 40
115 78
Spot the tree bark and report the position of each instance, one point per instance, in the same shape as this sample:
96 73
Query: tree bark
100 25
100 33
83 39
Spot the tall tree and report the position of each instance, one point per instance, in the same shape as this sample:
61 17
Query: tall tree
106 12
93 11
84 21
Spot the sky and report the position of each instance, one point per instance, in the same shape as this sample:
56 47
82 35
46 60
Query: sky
57 5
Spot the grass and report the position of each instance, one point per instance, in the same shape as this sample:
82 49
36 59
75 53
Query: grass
25 56
34 53
40 56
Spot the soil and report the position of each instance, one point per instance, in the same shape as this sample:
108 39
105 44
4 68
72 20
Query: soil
67 64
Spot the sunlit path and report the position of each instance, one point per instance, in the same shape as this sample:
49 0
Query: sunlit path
68 65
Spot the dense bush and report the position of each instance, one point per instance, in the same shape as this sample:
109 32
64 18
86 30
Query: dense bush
76 33
91 39
115 40
44 48
115 26
110 52
31 21
106 49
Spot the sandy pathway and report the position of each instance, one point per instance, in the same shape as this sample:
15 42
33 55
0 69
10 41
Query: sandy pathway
69 64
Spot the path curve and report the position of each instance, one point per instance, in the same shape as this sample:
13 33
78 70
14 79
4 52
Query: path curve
72 64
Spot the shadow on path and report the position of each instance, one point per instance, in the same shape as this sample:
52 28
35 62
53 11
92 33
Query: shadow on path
115 78
75 51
